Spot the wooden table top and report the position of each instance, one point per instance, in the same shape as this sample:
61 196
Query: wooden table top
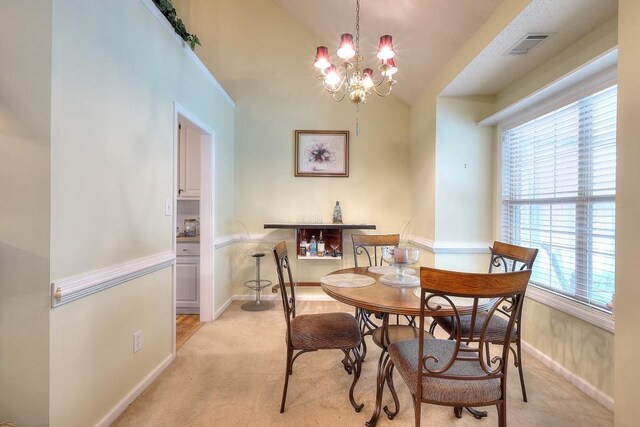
383 298
378 297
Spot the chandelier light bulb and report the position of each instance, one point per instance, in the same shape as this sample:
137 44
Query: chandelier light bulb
385 48
322 60
332 77
346 50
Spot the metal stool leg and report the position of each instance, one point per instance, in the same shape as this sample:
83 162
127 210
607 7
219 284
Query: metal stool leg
257 285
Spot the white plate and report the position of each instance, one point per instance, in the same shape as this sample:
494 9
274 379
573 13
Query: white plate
348 280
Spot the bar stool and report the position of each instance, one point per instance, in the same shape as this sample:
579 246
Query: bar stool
257 285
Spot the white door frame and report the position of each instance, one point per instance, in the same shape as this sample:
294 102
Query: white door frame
207 213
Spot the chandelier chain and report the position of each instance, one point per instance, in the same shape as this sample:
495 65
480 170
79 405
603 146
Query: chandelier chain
357 27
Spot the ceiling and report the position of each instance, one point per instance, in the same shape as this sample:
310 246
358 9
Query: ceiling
427 33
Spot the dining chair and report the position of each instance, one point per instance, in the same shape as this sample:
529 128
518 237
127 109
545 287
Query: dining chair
312 332
504 258
454 372
367 251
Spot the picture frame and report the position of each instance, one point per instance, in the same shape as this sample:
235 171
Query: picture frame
322 153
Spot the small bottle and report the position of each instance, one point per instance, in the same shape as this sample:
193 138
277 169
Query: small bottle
313 248
320 246
303 247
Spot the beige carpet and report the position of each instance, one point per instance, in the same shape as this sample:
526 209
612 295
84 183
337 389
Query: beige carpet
230 373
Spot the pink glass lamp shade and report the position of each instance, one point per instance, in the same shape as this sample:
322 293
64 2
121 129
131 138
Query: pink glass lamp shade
385 48
367 80
391 68
322 60
346 51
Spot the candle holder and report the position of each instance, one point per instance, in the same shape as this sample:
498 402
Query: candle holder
400 257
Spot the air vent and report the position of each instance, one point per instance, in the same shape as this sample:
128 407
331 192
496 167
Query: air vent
527 43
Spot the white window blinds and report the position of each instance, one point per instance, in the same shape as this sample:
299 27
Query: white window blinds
558 195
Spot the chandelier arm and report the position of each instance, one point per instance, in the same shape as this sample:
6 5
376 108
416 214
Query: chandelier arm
382 80
390 83
338 99
337 89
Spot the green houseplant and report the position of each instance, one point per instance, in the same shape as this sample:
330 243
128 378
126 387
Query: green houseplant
169 12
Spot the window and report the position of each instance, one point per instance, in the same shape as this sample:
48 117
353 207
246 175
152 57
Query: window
558 195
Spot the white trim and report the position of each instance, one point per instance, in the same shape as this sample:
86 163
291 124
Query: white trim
591 73
590 315
72 288
221 242
207 210
222 309
190 53
421 242
437 247
120 407
579 382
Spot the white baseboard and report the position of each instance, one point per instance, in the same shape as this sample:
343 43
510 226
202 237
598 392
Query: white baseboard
222 309
582 385
135 392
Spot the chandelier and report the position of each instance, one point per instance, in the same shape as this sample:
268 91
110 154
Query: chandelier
348 78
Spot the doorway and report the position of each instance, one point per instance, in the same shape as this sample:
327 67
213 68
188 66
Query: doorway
193 222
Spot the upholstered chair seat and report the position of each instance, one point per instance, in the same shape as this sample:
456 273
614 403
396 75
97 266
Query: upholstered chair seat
325 331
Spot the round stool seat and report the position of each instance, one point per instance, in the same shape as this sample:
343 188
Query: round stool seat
258 255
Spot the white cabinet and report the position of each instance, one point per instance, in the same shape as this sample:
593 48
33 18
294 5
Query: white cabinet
188 162
187 279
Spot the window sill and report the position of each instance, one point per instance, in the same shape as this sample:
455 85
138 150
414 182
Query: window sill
590 315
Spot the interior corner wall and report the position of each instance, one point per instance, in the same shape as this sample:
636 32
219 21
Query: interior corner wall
25 148
627 315
425 143
116 74
464 180
263 56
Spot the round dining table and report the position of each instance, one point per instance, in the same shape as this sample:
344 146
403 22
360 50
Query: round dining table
385 300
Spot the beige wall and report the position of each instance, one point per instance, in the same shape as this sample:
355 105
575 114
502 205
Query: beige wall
264 58
580 347
116 74
25 145
627 377
464 179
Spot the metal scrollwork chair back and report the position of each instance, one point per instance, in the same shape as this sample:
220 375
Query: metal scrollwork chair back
504 258
455 372
312 332
368 247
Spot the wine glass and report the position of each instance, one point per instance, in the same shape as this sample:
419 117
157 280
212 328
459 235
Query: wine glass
334 245
400 257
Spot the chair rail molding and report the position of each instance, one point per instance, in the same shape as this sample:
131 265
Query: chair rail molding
444 247
73 288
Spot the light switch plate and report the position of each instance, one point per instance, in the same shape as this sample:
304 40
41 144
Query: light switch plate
168 207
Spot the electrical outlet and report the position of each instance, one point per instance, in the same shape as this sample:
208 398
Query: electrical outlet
168 207
137 341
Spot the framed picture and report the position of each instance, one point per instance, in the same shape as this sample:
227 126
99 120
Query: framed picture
322 153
